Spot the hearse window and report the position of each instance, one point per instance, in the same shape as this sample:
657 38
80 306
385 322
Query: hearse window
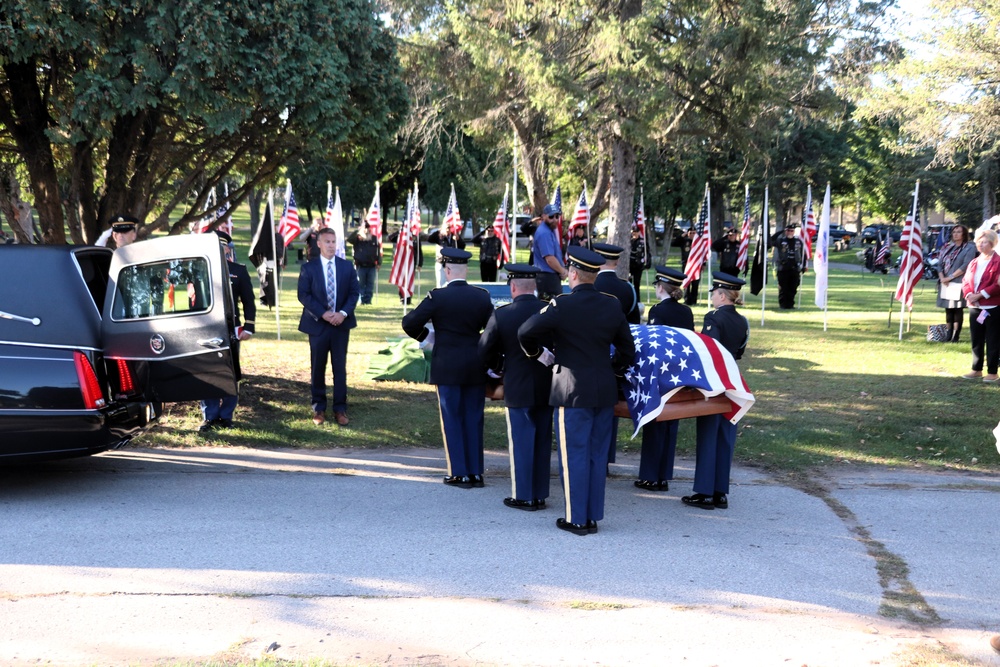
173 286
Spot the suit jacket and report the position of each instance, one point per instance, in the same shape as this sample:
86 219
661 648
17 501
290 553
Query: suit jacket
526 382
672 314
609 283
728 327
583 324
459 312
312 295
988 284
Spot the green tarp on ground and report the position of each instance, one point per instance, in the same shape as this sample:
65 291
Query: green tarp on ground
401 360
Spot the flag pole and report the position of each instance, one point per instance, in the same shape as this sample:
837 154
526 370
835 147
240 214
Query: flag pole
513 208
708 255
765 229
908 259
277 268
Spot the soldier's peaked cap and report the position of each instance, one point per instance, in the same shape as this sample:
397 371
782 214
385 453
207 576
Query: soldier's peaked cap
584 259
455 256
725 281
669 276
607 250
519 271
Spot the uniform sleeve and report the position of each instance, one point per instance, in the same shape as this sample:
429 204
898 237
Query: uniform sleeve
536 329
414 322
624 348
247 300
490 347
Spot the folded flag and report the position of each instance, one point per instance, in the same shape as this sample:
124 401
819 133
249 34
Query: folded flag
668 360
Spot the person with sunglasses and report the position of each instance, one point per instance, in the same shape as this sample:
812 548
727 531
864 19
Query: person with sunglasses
547 256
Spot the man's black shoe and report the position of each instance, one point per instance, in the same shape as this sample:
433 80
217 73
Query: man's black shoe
477 481
526 505
223 423
462 482
699 500
720 500
591 527
206 426
574 528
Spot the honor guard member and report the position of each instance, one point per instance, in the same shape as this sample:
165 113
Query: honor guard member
526 386
659 439
716 435
457 314
728 248
218 412
608 282
789 255
583 326
123 230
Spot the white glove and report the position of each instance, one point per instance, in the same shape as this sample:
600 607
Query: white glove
546 358
428 342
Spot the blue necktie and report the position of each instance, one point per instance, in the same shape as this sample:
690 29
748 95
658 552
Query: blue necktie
331 286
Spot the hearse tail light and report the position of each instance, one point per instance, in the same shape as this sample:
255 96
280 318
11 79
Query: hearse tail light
125 378
90 387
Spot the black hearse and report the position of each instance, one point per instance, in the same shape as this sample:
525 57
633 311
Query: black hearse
92 342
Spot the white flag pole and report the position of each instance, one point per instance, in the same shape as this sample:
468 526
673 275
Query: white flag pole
908 259
708 233
513 208
766 231
277 267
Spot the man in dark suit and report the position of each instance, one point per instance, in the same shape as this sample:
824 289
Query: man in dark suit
457 314
526 386
583 325
328 292
218 412
607 281
659 439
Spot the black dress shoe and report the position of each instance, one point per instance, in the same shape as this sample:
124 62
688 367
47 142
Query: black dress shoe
574 528
462 482
591 527
646 485
223 423
720 500
526 505
206 426
477 481
699 500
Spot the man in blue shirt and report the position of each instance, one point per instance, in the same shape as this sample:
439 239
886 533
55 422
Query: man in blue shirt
548 258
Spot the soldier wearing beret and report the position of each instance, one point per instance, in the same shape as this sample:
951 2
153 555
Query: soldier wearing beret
216 412
716 436
526 386
583 326
456 314
659 438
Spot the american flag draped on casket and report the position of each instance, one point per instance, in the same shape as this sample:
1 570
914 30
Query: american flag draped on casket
674 363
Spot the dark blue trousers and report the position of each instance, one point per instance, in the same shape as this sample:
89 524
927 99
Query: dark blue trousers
583 436
659 445
332 345
461 409
529 441
219 408
716 441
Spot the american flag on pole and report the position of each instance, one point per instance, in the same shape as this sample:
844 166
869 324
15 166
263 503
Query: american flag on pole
884 248
640 223
452 221
669 359
501 227
334 218
403 262
808 225
557 202
911 268
700 245
581 215
374 218
289 226
741 256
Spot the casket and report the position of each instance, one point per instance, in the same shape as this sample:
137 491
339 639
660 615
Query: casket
683 404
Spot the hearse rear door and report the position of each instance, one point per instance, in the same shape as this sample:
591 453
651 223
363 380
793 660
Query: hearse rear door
168 314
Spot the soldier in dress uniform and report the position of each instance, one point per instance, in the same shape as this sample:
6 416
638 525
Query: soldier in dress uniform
457 314
583 326
716 436
659 439
789 258
608 282
218 412
526 386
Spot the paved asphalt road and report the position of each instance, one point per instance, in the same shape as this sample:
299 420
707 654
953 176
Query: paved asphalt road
364 557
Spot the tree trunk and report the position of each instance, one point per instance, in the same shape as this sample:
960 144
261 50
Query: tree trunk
11 204
532 158
988 183
622 196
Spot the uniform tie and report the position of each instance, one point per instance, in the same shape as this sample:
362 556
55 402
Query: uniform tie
331 286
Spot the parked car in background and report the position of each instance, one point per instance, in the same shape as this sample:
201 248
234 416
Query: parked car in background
838 233
872 233
92 342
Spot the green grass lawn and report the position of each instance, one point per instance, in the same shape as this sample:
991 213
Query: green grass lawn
852 392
